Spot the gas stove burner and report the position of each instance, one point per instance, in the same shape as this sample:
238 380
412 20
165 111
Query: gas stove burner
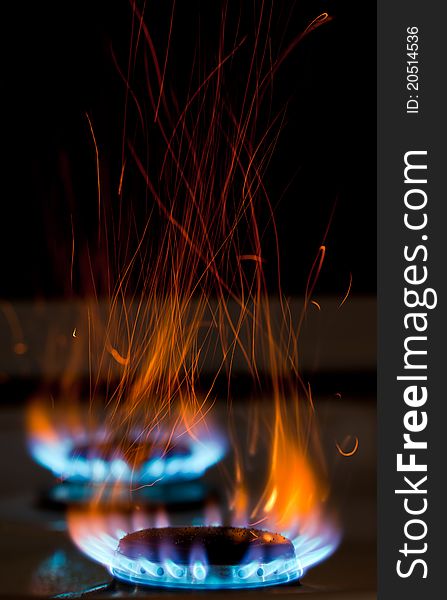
205 557
81 462
149 461
201 557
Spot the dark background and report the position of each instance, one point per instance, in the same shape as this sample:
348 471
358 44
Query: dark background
58 66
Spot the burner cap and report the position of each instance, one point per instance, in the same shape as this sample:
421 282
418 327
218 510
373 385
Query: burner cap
221 545
205 558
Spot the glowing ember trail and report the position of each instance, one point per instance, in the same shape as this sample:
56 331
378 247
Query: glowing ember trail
351 452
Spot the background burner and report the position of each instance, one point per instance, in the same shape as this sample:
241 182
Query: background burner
96 461
139 453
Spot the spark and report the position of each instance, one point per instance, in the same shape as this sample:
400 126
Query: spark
165 63
309 390
74 332
351 452
315 272
348 292
147 485
117 356
253 257
253 533
120 185
315 303
323 18
258 522
98 177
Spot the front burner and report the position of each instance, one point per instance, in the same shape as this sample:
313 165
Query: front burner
205 557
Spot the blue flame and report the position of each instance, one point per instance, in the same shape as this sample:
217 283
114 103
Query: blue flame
252 572
60 458
199 575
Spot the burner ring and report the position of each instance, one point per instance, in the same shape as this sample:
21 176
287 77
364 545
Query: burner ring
205 557
73 461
